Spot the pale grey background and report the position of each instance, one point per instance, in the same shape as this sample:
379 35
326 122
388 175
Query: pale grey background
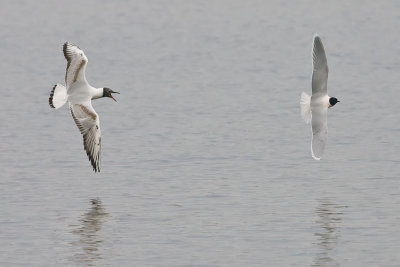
205 158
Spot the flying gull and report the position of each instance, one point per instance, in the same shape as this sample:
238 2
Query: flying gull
79 95
315 108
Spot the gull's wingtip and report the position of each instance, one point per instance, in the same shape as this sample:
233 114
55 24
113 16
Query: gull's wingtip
67 43
316 39
315 157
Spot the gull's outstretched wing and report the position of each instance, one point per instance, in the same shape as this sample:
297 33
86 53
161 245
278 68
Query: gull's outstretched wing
320 68
76 64
319 128
88 123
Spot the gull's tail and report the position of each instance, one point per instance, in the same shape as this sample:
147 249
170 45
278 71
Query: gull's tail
305 105
58 96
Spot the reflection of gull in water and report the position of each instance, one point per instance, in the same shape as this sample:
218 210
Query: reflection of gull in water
329 219
88 230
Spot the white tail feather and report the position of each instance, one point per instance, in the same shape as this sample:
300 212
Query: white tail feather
305 105
58 96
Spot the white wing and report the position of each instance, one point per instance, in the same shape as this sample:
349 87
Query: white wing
320 68
76 64
319 127
88 123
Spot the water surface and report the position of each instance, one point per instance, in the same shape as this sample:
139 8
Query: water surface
205 159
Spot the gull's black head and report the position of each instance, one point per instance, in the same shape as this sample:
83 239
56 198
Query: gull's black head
333 101
107 93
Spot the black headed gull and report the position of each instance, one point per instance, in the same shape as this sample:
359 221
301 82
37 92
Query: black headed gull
315 108
79 94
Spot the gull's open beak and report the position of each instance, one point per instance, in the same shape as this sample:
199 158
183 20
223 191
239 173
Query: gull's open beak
112 96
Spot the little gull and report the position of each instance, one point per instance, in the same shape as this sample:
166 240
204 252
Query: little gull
315 108
79 94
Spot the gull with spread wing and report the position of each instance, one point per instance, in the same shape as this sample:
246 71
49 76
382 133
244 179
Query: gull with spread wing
79 94
315 108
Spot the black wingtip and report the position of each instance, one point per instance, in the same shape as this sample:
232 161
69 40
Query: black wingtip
96 167
94 162
65 46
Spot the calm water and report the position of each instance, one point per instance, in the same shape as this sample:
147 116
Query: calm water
205 158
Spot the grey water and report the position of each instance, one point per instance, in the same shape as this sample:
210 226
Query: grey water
205 158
